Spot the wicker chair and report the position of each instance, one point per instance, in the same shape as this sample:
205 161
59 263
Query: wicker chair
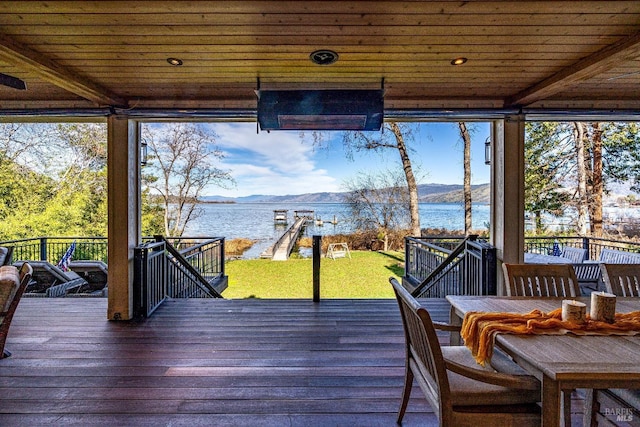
541 280
12 285
461 392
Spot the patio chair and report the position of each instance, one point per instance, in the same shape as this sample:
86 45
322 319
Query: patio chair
461 392
543 280
622 280
540 280
12 285
576 255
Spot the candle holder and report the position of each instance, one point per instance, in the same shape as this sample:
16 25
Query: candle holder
574 311
603 307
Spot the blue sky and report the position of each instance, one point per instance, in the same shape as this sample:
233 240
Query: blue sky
281 163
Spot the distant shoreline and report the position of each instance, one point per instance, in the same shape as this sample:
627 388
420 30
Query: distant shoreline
217 202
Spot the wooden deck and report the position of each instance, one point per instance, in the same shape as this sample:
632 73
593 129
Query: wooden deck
209 362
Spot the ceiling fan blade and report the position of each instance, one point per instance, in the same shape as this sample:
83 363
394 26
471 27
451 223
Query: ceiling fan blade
13 82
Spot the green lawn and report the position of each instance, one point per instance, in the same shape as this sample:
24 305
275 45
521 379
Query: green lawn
365 275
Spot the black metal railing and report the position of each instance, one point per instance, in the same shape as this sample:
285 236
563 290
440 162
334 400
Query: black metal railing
436 267
150 278
593 245
51 249
162 271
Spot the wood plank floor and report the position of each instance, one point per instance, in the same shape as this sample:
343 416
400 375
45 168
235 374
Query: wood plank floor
209 363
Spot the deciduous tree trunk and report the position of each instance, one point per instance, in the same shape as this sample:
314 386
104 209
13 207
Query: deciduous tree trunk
412 186
464 133
597 183
581 196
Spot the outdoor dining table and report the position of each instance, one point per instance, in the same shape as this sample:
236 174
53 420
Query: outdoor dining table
561 362
532 258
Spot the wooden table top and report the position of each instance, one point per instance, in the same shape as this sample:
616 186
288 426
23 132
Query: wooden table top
590 359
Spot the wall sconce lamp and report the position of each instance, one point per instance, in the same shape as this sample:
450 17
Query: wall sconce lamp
143 154
487 151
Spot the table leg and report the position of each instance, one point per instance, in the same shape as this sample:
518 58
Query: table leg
454 336
550 402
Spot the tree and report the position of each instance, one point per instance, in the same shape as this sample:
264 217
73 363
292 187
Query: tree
401 133
466 139
580 137
55 183
378 202
180 168
545 168
597 182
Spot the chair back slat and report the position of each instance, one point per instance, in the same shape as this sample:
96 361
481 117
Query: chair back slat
422 343
576 255
622 279
541 280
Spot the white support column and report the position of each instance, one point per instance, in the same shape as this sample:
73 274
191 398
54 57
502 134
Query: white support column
507 192
124 232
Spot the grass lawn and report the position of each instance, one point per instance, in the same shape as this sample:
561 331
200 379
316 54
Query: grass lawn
365 275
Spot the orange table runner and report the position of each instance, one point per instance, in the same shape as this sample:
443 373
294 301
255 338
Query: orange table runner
480 328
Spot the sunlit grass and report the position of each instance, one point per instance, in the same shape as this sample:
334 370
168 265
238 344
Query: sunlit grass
365 275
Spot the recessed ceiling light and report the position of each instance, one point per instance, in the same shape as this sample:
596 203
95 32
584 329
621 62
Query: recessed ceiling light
323 57
174 61
458 61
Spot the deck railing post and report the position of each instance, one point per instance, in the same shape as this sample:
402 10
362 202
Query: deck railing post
139 281
317 244
586 245
43 249
221 257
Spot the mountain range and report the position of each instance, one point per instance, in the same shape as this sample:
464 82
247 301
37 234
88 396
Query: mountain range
427 193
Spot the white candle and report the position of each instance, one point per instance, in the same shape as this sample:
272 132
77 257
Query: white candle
574 311
603 307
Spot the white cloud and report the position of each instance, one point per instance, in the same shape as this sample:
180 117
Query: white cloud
280 162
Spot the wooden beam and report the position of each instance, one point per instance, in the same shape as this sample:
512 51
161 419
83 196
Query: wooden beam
599 62
34 62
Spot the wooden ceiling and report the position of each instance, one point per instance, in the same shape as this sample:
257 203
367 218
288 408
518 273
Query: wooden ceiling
563 55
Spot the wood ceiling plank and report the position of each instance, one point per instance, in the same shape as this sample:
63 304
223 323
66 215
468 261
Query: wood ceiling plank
258 51
441 64
319 7
369 19
599 62
326 41
133 32
147 58
28 59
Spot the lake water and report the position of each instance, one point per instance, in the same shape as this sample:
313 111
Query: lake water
255 220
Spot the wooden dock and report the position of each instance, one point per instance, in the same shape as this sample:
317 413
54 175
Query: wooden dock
281 249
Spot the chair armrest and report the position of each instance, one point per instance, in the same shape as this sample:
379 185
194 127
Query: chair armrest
523 382
441 326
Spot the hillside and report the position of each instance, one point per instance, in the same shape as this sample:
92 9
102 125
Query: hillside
427 193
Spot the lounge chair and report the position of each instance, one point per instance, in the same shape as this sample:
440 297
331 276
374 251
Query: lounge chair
52 281
6 255
13 282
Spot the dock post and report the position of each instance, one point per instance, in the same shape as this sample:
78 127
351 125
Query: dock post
317 245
